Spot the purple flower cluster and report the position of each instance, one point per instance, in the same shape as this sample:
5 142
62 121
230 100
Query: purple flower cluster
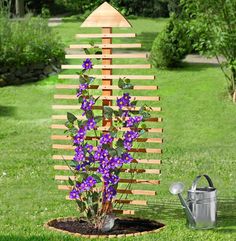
106 139
124 101
87 64
87 105
129 137
82 87
133 120
109 193
86 185
86 155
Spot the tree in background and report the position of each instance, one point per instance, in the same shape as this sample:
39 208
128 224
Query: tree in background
213 22
20 8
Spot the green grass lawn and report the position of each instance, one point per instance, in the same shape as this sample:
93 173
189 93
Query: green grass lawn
199 133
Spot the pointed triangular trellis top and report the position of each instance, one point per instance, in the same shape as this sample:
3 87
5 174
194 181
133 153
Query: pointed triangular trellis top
105 16
139 180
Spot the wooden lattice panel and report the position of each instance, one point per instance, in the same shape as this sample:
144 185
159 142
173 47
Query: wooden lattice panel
145 166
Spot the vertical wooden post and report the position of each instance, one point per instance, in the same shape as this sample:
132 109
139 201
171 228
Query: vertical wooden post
107 207
107 61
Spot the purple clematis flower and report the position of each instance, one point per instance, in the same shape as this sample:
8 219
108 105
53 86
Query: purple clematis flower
82 87
91 124
133 120
87 105
87 64
79 137
127 158
106 138
88 148
74 194
109 193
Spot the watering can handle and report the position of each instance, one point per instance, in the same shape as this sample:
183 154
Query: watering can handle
194 185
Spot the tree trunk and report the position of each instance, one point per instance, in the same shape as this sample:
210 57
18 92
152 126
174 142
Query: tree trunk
20 8
234 96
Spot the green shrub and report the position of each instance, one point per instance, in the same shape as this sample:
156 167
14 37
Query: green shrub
29 50
171 45
28 41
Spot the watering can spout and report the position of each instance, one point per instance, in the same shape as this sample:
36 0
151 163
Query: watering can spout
176 189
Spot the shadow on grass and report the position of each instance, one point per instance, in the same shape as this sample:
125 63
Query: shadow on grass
7 111
173 211
226 215
146 38
20 238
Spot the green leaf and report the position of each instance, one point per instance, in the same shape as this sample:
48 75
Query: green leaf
71 118
127 81
97 178
68 124
79 123
143 126
71 182
98 119
89 114
108 111
81 205
120 143
119 151
83 79
73 164
121 83
80 99
133 103
86 51
112 152
91 42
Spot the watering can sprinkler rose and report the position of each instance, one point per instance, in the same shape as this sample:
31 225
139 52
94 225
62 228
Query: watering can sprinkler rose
102 161
200 207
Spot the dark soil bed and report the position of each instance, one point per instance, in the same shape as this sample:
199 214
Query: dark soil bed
122 226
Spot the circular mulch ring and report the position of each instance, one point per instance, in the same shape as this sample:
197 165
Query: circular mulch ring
123 227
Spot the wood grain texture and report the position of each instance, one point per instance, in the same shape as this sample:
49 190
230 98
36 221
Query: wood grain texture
122 191
105 16
108 75
102 35
106 66
151 130
113 87
143 161
77 107
112 46
106 56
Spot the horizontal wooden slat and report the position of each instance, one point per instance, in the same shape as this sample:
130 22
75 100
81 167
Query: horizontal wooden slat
135 170
144 150
144 161
151 130
133 77
124 212
112 46
114 97
77 107
80 117
106 56
114 66
124 191
94 138
106 35
106 87
131 202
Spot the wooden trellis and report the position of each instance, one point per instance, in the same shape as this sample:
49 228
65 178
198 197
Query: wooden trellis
106 18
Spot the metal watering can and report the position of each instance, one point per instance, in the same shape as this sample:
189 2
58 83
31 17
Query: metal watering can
200 206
